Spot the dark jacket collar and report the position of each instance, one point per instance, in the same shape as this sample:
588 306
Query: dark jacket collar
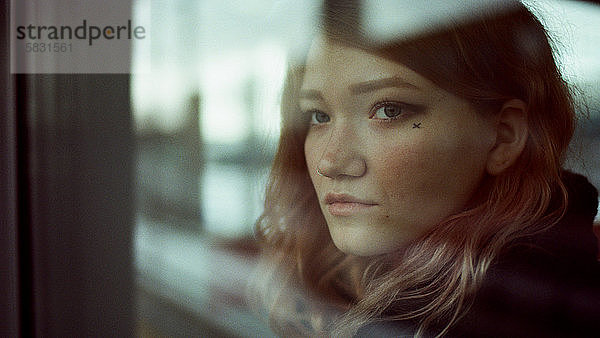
545 285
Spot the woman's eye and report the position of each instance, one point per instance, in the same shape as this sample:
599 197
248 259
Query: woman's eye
387 111
318 117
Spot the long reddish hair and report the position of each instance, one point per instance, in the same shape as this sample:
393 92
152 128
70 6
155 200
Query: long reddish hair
497 57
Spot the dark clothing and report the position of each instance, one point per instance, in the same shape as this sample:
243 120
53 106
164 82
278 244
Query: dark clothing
545 286
548 285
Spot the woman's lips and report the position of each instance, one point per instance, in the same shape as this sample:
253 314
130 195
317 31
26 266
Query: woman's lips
346 205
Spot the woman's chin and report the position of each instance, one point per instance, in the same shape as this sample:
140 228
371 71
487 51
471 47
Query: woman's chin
366 246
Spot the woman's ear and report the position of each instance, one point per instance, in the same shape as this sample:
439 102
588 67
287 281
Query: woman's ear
512 133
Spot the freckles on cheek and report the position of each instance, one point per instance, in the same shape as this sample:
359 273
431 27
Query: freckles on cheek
310 154
402 168
405 159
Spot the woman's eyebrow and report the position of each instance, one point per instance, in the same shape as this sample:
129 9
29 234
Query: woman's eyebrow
369 86
361 87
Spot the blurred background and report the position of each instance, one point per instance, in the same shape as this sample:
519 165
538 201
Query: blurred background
206 128
141 191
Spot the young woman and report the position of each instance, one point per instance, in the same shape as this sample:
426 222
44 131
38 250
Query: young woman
418 189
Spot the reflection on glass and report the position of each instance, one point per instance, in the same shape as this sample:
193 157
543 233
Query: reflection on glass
207 123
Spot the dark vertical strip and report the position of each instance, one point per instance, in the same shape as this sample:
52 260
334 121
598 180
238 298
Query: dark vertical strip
25 274
9 263
80 204
66 174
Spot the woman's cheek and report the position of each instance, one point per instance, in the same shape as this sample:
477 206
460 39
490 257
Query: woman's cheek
311 151
404 160
414 171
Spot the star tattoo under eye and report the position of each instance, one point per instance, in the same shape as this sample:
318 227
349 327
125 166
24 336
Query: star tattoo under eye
416 125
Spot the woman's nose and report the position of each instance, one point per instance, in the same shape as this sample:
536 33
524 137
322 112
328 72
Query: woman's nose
341 155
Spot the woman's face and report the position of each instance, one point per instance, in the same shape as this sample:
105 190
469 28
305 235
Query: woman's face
390 154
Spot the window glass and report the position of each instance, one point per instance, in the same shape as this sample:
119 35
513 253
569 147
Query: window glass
206 123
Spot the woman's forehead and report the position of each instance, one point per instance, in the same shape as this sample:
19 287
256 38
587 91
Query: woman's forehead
334 63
